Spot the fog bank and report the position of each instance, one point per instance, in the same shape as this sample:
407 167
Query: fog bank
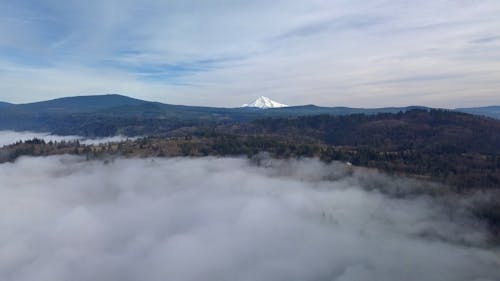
11 137
62 218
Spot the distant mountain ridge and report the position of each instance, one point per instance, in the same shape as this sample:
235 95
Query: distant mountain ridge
94 103
106 115
4 104
101 104
489 111
77 104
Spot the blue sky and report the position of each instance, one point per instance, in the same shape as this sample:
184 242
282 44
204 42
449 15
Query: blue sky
443 53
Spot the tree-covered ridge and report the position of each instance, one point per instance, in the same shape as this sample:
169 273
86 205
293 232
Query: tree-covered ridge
459 149
454 148
435 131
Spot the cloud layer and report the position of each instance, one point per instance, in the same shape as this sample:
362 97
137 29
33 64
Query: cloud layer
63 218
225 53
10 137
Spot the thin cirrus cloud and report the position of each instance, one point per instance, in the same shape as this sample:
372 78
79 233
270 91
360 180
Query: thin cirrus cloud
224 53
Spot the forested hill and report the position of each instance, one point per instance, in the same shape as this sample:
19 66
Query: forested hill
424 130
4 104
455 148
458 149
489 111
77 104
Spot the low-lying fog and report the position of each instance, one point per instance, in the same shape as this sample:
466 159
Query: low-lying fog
10 137
63 218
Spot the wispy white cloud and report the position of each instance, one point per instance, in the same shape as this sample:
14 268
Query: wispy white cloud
227 52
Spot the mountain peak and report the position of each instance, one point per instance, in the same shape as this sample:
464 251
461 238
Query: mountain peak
264 102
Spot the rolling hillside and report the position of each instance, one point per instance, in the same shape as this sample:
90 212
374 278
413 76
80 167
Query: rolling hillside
489 111
76 104
106 115
4 104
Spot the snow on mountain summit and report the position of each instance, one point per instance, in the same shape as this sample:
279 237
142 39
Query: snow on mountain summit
264 102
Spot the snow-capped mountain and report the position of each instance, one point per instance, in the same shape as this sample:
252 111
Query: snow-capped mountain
264 102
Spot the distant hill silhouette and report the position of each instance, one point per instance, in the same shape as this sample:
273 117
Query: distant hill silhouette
489 111
4 104
104 115
75 104
88 115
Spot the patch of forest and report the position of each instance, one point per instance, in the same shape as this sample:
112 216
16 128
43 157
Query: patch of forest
456 149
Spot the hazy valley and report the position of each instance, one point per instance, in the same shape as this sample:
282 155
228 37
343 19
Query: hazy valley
410 158
285 140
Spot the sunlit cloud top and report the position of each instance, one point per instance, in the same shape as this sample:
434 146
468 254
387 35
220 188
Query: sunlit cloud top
442 53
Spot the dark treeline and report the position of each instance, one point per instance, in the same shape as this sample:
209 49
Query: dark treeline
457 149
433 131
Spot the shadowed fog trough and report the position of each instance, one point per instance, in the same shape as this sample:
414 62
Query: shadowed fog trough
62 218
